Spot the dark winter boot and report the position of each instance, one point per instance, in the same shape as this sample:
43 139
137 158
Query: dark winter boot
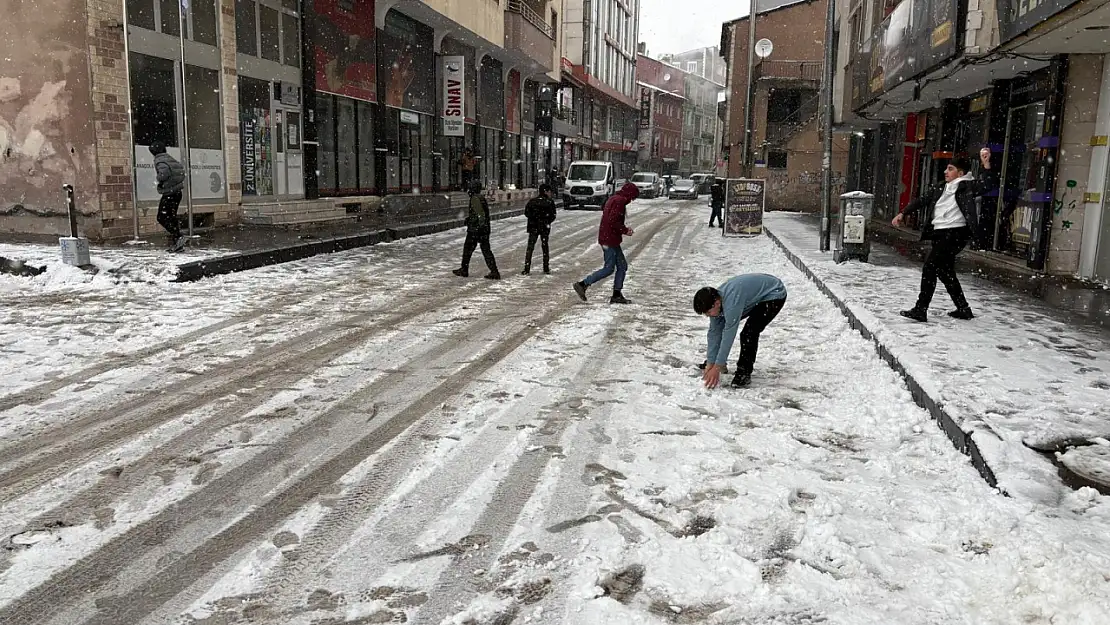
962 313
916 314
618 298
527 271
462 273
546 270
741 380
580 289
493 275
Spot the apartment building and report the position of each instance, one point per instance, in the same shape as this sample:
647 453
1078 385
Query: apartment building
305 109
597 101
705 62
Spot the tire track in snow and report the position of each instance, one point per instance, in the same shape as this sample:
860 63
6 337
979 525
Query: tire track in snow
31 463
43 391
87 574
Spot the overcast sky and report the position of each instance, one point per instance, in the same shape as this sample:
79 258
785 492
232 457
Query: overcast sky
672 26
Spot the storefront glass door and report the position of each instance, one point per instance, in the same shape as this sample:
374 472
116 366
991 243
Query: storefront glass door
1019 204
410 157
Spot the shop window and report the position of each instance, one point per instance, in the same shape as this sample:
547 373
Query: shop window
141 13
246 28
366 173
325 129
256 136
776 160
153 104
203 21
784 107
347 162
202 91
290 40
269 27
170 18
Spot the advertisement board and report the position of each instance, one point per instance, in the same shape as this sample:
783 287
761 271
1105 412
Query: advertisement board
454 96
208 181
344 48
744 202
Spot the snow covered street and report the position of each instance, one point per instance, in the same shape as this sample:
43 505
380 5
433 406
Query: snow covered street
364 438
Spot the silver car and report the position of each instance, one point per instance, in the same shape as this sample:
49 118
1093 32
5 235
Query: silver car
684 189
650 185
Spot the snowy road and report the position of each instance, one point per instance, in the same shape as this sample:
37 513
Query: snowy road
363 438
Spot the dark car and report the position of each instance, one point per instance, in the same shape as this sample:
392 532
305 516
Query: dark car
684 189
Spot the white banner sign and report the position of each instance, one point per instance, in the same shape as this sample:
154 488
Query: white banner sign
208 181
454 96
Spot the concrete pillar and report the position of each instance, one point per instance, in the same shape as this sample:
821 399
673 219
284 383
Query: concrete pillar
229 99
1095 197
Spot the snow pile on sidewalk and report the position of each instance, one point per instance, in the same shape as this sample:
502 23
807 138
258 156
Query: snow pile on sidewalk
1017 377
112 267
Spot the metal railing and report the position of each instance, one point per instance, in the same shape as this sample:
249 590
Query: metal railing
790 70
533 18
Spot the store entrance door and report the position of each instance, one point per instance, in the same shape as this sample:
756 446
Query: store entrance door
411 157
1018 215
288 156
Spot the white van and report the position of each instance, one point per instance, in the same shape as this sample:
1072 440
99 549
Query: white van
589 183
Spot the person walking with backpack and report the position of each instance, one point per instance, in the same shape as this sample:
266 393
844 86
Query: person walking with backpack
540 212
171 182
477 234
610 235
949 219
717 201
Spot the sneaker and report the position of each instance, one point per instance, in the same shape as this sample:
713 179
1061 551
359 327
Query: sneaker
179 244
741 380
915 314
580 289
493 275
462 273
619 299
962 313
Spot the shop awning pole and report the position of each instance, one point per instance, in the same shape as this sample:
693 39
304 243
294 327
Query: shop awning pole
182 7
131 131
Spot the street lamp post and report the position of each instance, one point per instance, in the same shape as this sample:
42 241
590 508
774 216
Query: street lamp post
827 103
184 6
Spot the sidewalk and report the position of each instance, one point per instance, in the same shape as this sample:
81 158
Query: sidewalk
238 248
1024 388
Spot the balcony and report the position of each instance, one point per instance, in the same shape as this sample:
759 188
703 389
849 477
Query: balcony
790 71
527 32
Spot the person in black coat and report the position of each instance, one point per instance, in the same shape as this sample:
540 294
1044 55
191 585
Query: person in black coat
540 212
477 233
717 201
948 216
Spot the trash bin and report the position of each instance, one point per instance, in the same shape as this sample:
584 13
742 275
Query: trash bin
853 238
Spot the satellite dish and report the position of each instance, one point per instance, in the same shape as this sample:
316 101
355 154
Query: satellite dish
666 76
763 48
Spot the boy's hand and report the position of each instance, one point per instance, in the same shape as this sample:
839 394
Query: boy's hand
897 221
629 231
712 376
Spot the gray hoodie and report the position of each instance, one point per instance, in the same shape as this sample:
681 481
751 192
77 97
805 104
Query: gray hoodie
171 174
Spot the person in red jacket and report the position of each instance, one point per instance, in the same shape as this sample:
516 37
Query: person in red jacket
609 236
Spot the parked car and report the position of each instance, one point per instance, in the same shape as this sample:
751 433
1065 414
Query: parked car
685 189
589 183
650 185
704 182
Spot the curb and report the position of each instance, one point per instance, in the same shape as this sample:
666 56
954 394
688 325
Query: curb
244 261
961 440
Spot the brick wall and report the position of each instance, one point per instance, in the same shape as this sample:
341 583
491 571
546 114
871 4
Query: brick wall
108 70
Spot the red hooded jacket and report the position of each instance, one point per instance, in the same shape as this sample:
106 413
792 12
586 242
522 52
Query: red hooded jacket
612 230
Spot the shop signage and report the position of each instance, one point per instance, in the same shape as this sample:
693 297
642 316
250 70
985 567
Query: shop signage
454 96
290 94
1017 16
408 117
918 36
645 107
207 181
744 202
512 102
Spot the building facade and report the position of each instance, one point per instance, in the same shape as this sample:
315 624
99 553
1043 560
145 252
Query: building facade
662 101
598 99
704 62
925 82
785 146
700 126
283 110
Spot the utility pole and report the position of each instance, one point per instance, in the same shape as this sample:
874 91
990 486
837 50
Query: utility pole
827 103
183 6
749 116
